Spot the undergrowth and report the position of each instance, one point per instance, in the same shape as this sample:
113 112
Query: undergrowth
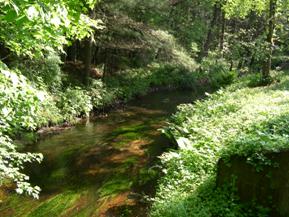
237 120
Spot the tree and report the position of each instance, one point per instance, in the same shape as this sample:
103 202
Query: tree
88 52
211 32
270 31
32 28
242 8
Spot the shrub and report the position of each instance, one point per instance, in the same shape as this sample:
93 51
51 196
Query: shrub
101 96
217 70
43 72
223 78
48 113
170 52
74 102
256 80
19 103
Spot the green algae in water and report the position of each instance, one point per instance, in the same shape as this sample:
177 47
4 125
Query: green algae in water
125 139
130 161
127 165
125 135
146 175
131 136
117 185
55 206
137 128
19 205
59 174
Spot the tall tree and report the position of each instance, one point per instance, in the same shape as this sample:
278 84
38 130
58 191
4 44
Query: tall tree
242 8
211 28
222 34
270 29
88 51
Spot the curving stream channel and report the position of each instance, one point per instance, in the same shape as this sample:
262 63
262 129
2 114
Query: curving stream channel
102 168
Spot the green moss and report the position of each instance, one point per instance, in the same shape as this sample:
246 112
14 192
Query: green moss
55 206
127 165
87 211
131 136
125 139
124 135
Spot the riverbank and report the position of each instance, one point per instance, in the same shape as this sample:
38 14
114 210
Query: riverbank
240 120
49 112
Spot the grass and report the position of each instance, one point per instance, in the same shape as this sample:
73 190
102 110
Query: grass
237 120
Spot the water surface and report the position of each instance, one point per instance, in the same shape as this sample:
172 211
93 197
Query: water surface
101 168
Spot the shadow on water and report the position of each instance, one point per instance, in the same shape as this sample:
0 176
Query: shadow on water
103 167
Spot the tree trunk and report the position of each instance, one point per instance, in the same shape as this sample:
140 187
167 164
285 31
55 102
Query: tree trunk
222 35
209 37
88 54
74 51
271 26
87 58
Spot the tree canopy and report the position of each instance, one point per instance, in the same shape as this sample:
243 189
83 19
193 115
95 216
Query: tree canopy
33 27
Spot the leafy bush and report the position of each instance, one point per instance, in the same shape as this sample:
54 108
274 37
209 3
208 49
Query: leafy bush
257 80
19 102
11 162
279 60
43 72
48 113
100 95
74 102
170 52
217 70
223 79
19 105
130 83
133 82
173 75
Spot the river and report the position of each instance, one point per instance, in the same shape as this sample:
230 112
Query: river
102 168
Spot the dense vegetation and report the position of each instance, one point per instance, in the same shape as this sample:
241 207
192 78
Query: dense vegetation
63 60
238 120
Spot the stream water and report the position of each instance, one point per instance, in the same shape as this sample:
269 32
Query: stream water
101 168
